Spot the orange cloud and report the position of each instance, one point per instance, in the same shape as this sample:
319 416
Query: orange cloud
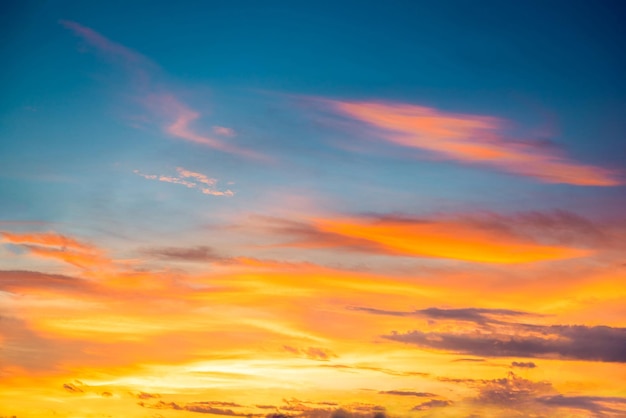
452 239
471 139
49 238
59 247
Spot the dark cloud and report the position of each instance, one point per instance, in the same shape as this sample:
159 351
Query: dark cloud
524 364
598 405
375 369
408 393
191 254
469 360
318 353
511 390
199 407
576 342
146 395
106 394
314 353
21 280
433 403
72 388
310 236
476 315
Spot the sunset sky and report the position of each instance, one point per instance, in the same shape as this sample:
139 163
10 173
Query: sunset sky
346 209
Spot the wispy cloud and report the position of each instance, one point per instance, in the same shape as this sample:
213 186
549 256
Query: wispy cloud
433 403
490 337
104 44
177 117
471 139
190 179
58 247
180 118
424 237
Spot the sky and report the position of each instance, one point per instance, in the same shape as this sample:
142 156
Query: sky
329 209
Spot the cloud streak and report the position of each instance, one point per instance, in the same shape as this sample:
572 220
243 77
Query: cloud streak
424 237
473 139
178 117
190 180
570 342
60 247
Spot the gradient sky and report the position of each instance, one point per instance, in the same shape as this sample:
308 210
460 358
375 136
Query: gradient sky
341 209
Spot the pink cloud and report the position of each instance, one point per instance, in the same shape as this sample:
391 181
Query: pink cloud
223 131
471 139
203 183
178 117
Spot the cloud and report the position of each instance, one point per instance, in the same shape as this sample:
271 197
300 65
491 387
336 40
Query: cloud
209 407
375 369
223 131
146 395
25 281
178 117
524 364
408 393
72 388
537 398
511 390
45 238
476 315
104 44
480 140
194 254
573 342
190 180
423 237
433 403
60 247
313 353
598 405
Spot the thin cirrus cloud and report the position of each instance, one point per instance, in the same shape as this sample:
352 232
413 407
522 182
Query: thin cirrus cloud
190 179
415 237
59 247
178 118
473 139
